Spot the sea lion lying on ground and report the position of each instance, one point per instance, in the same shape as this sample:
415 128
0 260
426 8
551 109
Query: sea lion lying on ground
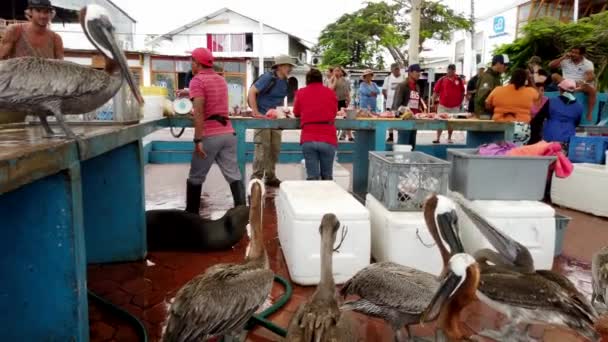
178 230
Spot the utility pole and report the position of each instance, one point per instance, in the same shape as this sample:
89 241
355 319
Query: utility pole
414 46
474 57
575 10
261 56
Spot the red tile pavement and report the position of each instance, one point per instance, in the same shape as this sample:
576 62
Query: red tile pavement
144 288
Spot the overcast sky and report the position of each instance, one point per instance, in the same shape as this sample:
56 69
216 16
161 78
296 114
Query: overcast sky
303 18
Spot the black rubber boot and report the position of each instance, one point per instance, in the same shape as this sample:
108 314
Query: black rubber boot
193 198
238 193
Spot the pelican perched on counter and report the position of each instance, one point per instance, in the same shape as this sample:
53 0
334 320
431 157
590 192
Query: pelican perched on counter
400 294
320 318
220 301
44 87
599 272
457 290
510 284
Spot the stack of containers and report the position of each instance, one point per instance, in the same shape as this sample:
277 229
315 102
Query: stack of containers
398 184
585 189
506 191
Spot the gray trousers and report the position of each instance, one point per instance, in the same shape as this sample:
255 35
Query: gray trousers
220 149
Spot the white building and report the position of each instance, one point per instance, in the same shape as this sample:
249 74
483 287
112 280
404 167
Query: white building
500 24
236 42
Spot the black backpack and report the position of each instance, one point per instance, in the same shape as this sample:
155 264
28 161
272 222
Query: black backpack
267 88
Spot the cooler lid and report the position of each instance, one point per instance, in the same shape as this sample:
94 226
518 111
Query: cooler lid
513 209
313 199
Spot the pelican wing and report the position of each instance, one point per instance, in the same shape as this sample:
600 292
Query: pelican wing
218 302
28 79
533 291
388 284
599 272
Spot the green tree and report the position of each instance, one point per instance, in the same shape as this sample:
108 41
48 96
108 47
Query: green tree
549 38
356 39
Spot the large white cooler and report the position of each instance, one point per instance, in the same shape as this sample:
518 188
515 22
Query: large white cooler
300 207
586 189
341 175
402 237
528 222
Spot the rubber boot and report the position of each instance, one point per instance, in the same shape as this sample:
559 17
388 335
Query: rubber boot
238 193
193 198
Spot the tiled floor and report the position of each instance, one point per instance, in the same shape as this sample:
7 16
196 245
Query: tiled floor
143 288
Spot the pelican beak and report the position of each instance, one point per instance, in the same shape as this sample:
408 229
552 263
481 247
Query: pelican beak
98 28
449 284
507 247
447 224
452 280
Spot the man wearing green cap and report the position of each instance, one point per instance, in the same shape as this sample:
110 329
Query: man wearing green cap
266 93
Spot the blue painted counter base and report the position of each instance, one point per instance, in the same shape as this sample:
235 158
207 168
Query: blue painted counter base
43 264
114 205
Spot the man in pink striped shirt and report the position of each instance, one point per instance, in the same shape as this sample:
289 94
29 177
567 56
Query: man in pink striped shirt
214 138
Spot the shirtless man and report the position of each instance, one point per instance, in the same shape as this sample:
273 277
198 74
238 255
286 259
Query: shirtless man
34 38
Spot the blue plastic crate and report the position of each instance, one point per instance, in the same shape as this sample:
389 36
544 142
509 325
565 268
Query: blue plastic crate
588 149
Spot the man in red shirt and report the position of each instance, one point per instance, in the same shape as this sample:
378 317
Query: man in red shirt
408 93
214 138
316 106
450 90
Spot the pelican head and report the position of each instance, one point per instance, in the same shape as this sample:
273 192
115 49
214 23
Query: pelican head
462 267
98 28
330 223
442 221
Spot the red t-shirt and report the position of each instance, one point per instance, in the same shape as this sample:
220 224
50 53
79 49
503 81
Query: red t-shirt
450 90
414 102
211 86
316 105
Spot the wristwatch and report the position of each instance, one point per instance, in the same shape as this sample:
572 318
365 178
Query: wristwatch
196 141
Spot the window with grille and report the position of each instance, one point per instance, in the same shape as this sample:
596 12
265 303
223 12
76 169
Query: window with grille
235 42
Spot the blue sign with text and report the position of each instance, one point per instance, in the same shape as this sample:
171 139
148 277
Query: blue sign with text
499 24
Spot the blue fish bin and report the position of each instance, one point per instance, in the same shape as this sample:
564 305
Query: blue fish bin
588 149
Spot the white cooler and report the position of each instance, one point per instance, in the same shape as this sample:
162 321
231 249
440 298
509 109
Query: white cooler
528 222
402 237
300 207
586 189
341 175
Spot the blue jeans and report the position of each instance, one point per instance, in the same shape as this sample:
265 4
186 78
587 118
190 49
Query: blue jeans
319 159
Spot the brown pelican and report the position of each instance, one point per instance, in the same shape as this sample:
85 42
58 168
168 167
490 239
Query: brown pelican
457 290
399 294
220 301
46 87
320 319
599 271
510 285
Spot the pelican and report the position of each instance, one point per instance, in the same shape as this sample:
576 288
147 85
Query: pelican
320 319
46 87
220 301
400 294
510 285
599 271
457 290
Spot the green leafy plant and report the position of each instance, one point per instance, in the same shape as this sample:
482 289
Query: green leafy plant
549 38
356 39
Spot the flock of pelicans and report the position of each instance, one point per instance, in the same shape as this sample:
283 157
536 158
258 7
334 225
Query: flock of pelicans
219 302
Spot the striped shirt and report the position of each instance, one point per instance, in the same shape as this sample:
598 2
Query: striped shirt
213 88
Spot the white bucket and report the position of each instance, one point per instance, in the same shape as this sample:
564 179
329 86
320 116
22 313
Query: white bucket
153 106
402 148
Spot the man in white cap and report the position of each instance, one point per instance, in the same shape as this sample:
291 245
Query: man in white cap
266 93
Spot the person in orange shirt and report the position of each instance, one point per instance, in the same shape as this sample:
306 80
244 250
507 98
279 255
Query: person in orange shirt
513 103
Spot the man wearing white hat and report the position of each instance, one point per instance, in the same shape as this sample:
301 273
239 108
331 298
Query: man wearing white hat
268 92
